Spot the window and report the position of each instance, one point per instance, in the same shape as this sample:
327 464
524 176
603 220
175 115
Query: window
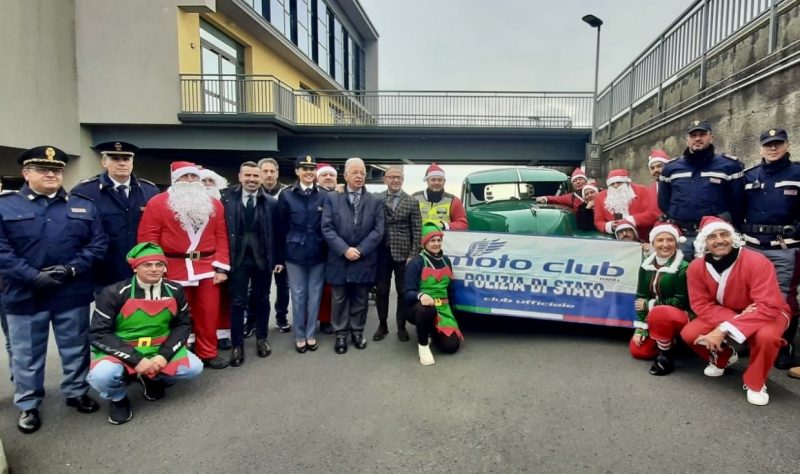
338 51
280 15
302 27
321 35
221 61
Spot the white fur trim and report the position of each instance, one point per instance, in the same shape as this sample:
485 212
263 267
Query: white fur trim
221 266
700 240
733 332
668 228
618 179
178 173
435 173
640 325
651 304
326 169
648 263
655 159
609 230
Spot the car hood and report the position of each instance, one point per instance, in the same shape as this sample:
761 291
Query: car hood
522 217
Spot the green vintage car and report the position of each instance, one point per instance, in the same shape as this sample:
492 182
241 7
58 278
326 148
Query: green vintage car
504 200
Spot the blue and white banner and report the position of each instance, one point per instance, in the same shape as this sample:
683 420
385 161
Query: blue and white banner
562 278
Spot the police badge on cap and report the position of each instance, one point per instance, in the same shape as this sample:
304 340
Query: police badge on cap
774 135
45 155
117 149
701 125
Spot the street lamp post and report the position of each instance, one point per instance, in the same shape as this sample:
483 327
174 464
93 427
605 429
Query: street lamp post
595 22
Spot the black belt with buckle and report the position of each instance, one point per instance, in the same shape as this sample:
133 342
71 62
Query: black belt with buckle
190 255
685 227
784 230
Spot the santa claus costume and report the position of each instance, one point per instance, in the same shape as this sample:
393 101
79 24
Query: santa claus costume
739 295
628 201
190 226
574 199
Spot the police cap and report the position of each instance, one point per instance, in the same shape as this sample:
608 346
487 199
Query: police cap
45 155
117 148
774 135
699 125
305 161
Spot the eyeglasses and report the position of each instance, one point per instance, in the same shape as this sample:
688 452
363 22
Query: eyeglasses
46 171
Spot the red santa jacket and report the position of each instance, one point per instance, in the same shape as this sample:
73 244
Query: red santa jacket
654 199
640 212
159 225
720 299
572 200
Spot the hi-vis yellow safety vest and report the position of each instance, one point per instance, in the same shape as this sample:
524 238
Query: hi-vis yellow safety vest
434 212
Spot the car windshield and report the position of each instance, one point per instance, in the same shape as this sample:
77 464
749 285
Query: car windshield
488 193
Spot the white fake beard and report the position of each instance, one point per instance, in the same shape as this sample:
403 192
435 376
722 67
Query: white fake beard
190 204
618 200
214 192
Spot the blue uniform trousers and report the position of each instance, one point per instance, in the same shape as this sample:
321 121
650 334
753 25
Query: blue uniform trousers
28 334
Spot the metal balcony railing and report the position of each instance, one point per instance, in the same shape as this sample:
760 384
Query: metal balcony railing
704 25
249 95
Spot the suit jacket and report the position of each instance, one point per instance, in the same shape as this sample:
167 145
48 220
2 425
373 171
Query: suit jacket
341 232
402 227
267 212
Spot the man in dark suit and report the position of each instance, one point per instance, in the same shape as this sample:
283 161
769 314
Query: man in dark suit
352 225
399 246
250 215
119 197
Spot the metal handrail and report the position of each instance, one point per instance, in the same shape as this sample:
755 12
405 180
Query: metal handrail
703 26
238 94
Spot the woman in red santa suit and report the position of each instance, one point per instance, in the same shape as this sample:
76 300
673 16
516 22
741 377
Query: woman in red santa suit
734 292
624 200
190 226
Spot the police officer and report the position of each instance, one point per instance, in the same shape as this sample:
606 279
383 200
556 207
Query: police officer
700 183
772 218
119 197
48 243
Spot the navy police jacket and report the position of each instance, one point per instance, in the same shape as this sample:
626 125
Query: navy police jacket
35 234
701 184
120 221
772 198
300 225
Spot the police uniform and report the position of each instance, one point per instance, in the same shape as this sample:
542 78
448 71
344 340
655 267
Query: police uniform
48 244
120 206
700 184
772 215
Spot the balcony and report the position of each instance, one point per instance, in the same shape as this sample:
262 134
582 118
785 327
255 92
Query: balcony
250 98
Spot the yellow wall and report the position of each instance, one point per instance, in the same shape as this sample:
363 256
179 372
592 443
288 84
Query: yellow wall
188 35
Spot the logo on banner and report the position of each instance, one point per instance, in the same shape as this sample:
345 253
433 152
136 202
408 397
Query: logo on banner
484 247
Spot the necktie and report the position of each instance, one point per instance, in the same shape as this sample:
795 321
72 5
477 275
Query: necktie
250 210
122 194
356 199
395 201
251 203
308 192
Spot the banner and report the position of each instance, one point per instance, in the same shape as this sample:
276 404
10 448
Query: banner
561 278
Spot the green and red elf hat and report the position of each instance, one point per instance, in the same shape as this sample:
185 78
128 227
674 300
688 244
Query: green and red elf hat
429 231
145 252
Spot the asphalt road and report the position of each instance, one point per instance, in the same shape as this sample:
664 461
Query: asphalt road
519 396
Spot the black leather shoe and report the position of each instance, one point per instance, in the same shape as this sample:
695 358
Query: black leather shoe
263 348
341 345
237 356
402 335
284 328
29 421
326 328
663 364
381 332
152 390
215 363
249 331
224 344
312 347
785 360
120 412
301 349
359 341
83 404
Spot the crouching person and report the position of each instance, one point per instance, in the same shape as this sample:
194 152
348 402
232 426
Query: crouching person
139 330
734 292
427 281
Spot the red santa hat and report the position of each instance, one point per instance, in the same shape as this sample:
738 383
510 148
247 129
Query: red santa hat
325 168
709 225
434 170
182 168
577 173
657 156
672 230
589 185
618 176
626 224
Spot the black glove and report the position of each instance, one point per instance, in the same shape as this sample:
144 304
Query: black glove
61 273
46 279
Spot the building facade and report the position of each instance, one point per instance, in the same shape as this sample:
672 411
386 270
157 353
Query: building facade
214 81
